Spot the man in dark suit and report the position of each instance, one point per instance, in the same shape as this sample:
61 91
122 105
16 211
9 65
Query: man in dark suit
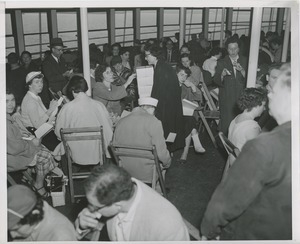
170 53
54 67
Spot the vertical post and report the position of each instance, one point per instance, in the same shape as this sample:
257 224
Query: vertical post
222 28
112 26
287 29
20 31
137 23
85 48
229 15
205 22
182 26
279 20
160 23
254 47
54 26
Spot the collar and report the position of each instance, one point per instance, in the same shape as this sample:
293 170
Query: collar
214 58
129 216
33 95
234 60
55 58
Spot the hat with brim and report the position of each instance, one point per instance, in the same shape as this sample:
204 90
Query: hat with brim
32 75
148 101
56 42
20 201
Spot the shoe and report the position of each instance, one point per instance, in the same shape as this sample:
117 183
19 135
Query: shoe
200 150
181 161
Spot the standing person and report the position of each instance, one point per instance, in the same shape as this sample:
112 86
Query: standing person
167 91
254 202
132 210
55 69
230 76
32 219
27 64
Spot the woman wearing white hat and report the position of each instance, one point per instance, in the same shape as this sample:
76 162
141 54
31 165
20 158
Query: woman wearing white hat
34 113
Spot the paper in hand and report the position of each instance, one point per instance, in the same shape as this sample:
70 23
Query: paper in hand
171 137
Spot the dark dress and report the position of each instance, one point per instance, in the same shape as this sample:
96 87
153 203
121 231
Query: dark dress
229 90
167 91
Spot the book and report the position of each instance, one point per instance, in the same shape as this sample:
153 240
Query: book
145 80
43 130
171 137
188 107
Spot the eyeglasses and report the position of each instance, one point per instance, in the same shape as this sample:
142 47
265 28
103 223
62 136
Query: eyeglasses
94 208
59 49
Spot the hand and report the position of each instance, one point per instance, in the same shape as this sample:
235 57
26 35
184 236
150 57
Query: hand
239 67
68 73
53 105
88 219
132 76
225 72
36 142
51 120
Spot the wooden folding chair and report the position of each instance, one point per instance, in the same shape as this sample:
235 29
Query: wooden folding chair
81 134
143 153
230 149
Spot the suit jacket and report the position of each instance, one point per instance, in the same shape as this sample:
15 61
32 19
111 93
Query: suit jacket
230 90
53 73
141 129
174 55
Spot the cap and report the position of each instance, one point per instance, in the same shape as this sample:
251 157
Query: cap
148 101
56 42
12 58
115 60
32 75
20 201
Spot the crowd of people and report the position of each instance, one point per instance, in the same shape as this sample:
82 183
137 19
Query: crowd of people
253 200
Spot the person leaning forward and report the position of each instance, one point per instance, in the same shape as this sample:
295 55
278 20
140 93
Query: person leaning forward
134 211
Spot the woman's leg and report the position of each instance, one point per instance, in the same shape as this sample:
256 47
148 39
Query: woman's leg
197 144
186 147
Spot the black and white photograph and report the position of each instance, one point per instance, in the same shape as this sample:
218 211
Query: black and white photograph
150 121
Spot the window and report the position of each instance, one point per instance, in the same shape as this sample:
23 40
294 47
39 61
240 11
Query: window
148 24
214 23
269 19
67 28
124 27
97 25
36 35
193 22
241 21
9 38
171 22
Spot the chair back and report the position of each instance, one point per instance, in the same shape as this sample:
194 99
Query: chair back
81 134
122 152
207 96
228 145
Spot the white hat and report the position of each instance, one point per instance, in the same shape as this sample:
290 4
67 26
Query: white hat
33 75
148 101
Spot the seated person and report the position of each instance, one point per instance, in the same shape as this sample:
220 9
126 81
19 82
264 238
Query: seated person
107 93
210 64
132 210
22 153
121 75
142 128
83 111
189 92
196 75
125 55
115 51
32 219
34 113
243 127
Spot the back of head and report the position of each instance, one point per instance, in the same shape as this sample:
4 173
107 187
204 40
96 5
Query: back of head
155 50
251 98
12 58
76 84
109 184
99 72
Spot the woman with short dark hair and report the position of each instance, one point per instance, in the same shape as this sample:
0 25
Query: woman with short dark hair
83 111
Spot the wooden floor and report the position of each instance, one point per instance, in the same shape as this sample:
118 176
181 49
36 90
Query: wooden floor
191 185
